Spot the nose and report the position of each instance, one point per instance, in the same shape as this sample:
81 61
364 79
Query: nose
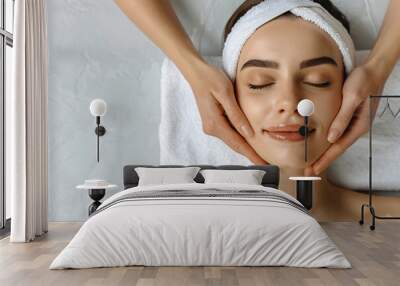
286 101
286 107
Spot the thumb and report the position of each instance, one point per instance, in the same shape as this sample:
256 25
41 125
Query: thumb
343 118
236 116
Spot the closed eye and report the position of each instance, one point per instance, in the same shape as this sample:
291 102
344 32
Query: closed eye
262 86
320 85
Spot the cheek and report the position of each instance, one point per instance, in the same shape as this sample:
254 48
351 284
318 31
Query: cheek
254 106
327 107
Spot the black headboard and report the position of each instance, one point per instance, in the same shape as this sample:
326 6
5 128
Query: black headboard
270 179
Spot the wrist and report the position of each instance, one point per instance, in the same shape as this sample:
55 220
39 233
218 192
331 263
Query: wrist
194 69
187 60
380 66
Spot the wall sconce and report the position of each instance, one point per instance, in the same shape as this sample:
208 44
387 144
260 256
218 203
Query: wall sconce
98 108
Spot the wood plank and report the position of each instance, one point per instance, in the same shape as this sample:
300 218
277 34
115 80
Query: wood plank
375 257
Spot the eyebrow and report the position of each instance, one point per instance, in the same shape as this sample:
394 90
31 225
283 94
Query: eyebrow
318 61
303 64
261 64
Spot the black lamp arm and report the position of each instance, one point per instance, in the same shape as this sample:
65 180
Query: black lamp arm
100 131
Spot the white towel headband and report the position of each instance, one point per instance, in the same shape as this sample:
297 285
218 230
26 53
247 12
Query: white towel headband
268 10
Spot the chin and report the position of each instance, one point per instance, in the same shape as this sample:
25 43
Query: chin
293 159
294 163
289 157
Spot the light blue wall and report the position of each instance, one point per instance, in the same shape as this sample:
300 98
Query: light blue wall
95 52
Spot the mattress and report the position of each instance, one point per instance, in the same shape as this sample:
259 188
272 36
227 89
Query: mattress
201 225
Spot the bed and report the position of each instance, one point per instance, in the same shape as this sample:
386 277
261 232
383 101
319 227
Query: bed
198 224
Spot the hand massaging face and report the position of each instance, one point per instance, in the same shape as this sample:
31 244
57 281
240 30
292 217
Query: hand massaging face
284 61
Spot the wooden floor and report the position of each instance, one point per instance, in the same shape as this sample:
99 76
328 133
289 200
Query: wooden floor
375 257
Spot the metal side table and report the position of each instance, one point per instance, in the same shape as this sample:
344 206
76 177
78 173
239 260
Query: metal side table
96 193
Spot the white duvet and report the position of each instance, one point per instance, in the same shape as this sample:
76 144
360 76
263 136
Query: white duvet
200 231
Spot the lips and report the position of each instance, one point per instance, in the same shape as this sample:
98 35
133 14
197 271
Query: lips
286 132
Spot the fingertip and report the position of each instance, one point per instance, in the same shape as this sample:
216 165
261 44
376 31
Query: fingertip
247 130
261 162
256 159
308 171
317 170
333 135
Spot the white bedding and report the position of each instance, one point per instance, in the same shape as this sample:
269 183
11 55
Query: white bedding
200 231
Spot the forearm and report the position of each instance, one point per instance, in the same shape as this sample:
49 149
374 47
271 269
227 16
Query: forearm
386 51
157 19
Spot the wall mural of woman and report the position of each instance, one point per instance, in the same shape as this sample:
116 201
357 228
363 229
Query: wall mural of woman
284 61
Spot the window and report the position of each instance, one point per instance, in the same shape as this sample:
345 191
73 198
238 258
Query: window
6 45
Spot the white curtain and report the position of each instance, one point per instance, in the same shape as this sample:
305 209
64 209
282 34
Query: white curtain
26 129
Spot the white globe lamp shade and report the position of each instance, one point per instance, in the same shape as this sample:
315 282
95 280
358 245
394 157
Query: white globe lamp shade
305 107
98 107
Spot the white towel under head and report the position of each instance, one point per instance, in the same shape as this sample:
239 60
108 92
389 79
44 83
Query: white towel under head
268 10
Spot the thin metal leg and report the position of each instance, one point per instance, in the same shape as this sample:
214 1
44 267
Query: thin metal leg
370 204
372 210
362 214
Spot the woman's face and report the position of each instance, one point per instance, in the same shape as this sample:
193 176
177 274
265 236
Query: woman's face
285 61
